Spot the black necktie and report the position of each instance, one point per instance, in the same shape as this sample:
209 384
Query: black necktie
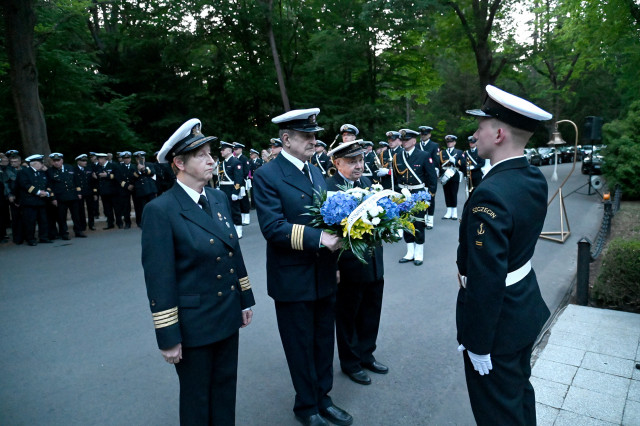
305 170
205 205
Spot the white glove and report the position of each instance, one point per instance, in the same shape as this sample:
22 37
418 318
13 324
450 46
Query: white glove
437 172
382 171
234 197
481 363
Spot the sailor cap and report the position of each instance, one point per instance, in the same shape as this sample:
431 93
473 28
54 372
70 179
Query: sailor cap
471 139
224 144
347 149
56 156
12 153
406 134
302 120
100 155
238 145
83 157
450 138
425 130
34 157
349 128
383 143
510 109
140 154
393 135
253 151
320 143
185 139
276 142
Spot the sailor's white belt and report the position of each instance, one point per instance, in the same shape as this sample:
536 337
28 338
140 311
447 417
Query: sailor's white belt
226 182
513 277
411 186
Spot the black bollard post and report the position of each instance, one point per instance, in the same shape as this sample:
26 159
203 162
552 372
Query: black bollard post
582 278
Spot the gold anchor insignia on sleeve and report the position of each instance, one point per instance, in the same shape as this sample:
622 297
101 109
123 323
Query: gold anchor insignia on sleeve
481 229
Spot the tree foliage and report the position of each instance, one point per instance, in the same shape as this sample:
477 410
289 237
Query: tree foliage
124 74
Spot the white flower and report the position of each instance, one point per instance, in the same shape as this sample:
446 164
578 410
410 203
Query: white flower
366 220
376 187
406 193
375 221
375 211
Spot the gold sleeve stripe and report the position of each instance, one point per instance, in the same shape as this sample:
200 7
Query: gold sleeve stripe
165 318
173 310
78 188
166 323
245 284
31 188
297 236
123 184
136 174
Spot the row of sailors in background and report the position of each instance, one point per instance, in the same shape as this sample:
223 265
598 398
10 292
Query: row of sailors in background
61 188
45 194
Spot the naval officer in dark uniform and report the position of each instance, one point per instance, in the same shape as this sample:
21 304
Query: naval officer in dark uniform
414 172
321 160
359 296
453 162
301 267
385 172
66 194
245 203
87 190
31 183
474 162
197 284
433 149
500 310
230 180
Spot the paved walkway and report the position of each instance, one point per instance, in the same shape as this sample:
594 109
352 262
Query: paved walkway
586 374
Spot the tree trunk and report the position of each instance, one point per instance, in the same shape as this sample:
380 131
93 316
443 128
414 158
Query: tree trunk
276 60
20 20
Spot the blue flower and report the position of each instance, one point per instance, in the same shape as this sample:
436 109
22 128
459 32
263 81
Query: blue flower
406 206
337 207
391 209
420 196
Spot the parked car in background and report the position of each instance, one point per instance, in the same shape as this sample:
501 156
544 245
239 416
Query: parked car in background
547 155
532 156
585 150
566 154
592 163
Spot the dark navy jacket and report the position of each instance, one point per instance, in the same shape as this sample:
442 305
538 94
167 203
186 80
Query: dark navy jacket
297 268
193 266
499 229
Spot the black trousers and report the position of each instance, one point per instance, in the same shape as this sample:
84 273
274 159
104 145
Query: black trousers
52 220
432 202
31 215
96 207
123 208
138 205
245 204
504 396
17 224
451 191
358 308
418 238
63 207
236 213
87 200
4 215
208 377
306 331
108 208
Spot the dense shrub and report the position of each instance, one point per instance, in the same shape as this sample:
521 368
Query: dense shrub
622 155
618 283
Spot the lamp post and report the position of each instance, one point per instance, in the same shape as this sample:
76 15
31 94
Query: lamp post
562 235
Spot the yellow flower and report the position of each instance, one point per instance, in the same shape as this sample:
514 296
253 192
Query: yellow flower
358 229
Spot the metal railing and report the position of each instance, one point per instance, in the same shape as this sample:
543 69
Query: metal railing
588 252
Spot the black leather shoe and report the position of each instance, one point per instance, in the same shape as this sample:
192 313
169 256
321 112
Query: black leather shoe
33 243
337 416
80 235
119 226
429 227
93 228
417 262
109 227
445 218
45 241
405 260
313 420
454 218
359 377
127 226
376 367
65 237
